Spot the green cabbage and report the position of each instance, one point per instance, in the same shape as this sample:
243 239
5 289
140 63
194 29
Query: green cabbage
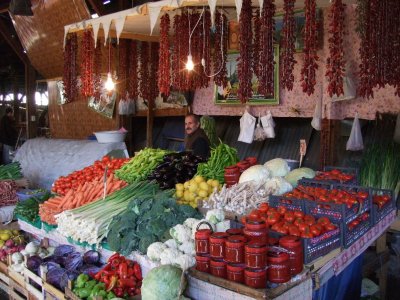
299 173
163 282
277 167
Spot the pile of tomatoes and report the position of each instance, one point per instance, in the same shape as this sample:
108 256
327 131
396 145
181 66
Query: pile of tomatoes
336 196
361 218
334 175
290 222
91 173
381 200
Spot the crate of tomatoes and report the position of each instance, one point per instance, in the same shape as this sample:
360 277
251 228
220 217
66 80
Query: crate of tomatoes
383 203
356 228
333 175
340 202
319 236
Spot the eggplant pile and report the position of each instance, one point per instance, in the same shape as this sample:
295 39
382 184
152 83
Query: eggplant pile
175 168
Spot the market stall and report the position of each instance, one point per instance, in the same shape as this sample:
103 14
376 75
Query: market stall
163 224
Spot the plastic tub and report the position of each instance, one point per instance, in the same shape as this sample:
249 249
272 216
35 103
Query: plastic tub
114 136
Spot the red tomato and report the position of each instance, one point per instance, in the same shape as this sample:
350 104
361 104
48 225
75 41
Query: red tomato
303 227
316 229
323 221
329 226
273 218
306 235
289 216
309 220
298 214
255 213
293 230
298 221
263 207
282 210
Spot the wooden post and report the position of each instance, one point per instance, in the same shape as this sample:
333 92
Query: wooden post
30 84
330 133
150 121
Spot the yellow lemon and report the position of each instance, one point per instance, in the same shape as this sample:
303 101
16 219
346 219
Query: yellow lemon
186 184
179 187
186 195
198 178
209 181
215 183
193 187
179 193
4 236
203 186
203 194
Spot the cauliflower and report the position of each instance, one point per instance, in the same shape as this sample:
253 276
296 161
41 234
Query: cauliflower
188 248
171 244
185 261
168 256
202 226
189 222
180 233
223 226
215 216
154 251
277 186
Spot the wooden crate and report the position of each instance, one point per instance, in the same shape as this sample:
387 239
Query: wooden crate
16 291
16 277
50 292
268 293
31 278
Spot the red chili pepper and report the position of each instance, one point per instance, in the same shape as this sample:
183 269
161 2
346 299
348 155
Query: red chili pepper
138 272
113 280
114 256
127 282
132 291
123 270
118 291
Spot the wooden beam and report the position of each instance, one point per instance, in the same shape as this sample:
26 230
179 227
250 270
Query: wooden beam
30 85
13 42
97 7
150 122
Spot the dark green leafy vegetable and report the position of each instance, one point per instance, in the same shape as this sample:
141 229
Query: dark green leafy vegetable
29 209
11 171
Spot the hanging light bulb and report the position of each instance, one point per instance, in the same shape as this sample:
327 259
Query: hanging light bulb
110 85
189 63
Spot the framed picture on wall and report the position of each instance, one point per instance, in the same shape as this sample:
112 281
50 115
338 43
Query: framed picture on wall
60 92
299 16
229 96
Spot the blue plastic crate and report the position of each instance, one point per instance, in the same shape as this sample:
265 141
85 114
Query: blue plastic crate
314 248
351 236
345 170
340 212
290 203
315 183
379 213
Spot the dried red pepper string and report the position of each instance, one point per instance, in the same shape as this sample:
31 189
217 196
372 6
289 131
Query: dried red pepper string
288 46
335 61
87 53
144 72
206 53
154 58
244 66
256 43
176 54
266 65
97 68
122 67
70 79
308 71
164 65
220 50
133 79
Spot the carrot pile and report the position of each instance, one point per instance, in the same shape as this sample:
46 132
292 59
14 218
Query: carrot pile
84 194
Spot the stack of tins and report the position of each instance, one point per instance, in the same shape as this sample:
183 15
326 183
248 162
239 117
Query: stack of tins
242 255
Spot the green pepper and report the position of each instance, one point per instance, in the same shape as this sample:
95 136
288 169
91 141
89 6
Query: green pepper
81 280
102 293
90 284
84 292
110 296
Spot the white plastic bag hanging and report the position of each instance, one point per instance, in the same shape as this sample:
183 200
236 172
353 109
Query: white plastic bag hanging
316 121
355 142
131 104
259 132
349 87
247 123
122 107
396 136
268 124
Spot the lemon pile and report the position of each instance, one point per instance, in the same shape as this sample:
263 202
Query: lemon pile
195 189
6 235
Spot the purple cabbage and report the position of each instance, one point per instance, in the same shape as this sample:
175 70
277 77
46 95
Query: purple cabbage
55 259
73 261
91 257
68 275
90 269
54 276
50 265
63 250
33 264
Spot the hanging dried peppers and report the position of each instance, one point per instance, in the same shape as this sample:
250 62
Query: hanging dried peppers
206 53
164 65
244 66
308 71
133 79
153 87
220 50
266 66
181 51
70 68
288 46
87 54
144 72
122 67
256 43
335 62
97 82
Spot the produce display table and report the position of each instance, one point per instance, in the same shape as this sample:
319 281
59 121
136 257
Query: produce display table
199 289
44 160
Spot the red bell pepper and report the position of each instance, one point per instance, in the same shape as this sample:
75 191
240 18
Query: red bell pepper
113 280
137 271
123 270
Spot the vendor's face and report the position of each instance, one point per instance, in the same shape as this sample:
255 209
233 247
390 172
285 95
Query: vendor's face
191 125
